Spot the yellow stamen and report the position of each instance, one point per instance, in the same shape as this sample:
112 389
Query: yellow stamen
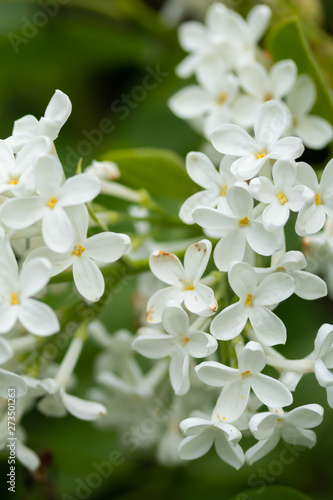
317 199
246 374
52 202
222 98
244 221
260 155
248 300
188 285
268 97
282 197
78 250
186 340
14 300
223 190
13 181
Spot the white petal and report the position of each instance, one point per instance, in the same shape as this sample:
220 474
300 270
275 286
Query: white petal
274 289
201 170
303 96
230 322
210 218
8 316
240 201
232 140
269 123
242 279
159 300
261 241
315 132
254 79
216 374
6 351
34 276
288 146
261 449
107 247
175 320
233 400
196 259
190 102
60 262
38 318
201 300
309 286
270 391
283 75
275 216
247 167
193 447
179 372
306 175
153 345
262 189
263 425
88 278
49 175
192 35
232 455
27 457
79 218
310 220
201 199
57 230
79 189
268 328
258 20
59 108
201 344
82 409
298 437
306 416
22 212
230 248
9 380
167 268
252 358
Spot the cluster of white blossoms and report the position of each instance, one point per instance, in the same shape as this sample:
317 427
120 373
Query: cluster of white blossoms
44 224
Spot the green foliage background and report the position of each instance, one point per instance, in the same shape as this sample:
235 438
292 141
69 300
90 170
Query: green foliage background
96 51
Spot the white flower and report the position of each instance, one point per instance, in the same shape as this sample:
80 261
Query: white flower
308 286
28 127
25 455
215 183
315 132
103 247
16 172
269 123
262 86
50 204
185 281
293 427
211 100
323 359
238 227
226 41
10 380
203 433
16 303
104 170
312 218
281 196
255 303
237 383
179 343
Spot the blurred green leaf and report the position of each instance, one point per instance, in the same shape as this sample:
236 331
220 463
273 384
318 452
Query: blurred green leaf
286 41
158 171
271 493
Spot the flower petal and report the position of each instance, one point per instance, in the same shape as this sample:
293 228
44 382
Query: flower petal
83 409
274 289
252 358
79 189
155 345
232 140
34 276
230 248
230 322
201 300
179 372
242 279
216 374
88 278
159 300
261 449
38 318
193 447
175 320
315 132
107 247
167 268
270 391
196 260
190 102
268 328
57 230
269 123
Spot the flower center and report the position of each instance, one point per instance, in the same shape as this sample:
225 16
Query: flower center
246 374
78 250
244 221
52 202
14 300
317 199
268 97
223 96
188 285
248 300
260 154
223 190
13 181
282 198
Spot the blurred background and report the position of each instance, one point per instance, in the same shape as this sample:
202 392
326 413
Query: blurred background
99 52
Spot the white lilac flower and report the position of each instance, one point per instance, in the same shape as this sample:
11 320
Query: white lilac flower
202 433
226 40
252 153
16 302
236 383
255 303
184 281
293 427
281 195
10 380
315 132
238 226
262 86
105 247
53 197
313 216
323 359
104 170
211 99
16 171
308 286
215 183
27 128
180 343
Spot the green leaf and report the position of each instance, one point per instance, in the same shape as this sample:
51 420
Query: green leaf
286 41
271 493
159 171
